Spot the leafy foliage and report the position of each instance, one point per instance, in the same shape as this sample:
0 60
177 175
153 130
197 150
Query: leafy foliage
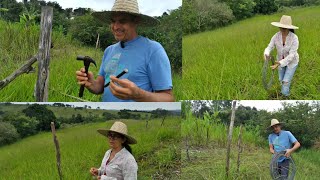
8 133
43 115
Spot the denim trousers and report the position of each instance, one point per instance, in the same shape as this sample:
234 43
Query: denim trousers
285 78
283 168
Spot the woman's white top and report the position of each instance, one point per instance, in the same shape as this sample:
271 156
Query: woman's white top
287 55
122 167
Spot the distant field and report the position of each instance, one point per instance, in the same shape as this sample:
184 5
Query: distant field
157 152
227 63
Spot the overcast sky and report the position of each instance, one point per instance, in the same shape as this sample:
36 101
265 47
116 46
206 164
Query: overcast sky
269 105
118 106
148 7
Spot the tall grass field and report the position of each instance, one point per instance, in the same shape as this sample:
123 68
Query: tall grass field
82 147
227 63
208 158
19 43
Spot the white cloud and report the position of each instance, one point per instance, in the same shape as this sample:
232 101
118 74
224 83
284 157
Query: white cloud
148 7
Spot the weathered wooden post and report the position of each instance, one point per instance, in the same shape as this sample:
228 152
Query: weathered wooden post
56 143
44 54
239 144
233 114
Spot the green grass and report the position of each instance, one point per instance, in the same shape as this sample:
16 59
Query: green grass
157 152
208 161
227 63
17 45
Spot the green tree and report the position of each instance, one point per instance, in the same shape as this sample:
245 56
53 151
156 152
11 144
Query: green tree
8 133
242 8
43 115
265 6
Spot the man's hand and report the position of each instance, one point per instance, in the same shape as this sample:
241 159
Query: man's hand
272 151
275 66
288 152
83 78
124 89
94 171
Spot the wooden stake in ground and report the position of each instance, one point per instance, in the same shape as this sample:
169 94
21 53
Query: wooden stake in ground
56 143
233 114
239 149
44 54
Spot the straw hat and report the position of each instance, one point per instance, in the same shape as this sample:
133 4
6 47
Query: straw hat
285 22
125 6
121 128
275 122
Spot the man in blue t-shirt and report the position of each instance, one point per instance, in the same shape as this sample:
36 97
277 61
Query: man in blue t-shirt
149 72
279 141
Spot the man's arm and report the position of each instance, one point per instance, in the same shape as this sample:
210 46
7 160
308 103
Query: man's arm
294 148
128 90
271 148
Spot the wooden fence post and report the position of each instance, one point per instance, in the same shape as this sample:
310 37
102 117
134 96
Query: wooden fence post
239 148
56 143
230 136
44 54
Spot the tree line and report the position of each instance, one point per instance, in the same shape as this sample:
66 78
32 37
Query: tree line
202 15
80 25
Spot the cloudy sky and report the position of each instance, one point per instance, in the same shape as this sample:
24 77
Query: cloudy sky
269 105
118 106
149 7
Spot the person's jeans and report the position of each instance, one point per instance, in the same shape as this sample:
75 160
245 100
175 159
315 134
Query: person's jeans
283 168
285 77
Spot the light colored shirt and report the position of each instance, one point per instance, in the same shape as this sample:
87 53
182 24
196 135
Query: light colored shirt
287 54
282 141
122 167
146 60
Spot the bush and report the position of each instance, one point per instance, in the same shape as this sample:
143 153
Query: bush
8 133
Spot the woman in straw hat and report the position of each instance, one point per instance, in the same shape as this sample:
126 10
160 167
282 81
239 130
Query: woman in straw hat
281 140
118 162
287 44
149 71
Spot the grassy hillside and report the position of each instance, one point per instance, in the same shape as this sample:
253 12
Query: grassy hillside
227 63
208 160
16 48
157 152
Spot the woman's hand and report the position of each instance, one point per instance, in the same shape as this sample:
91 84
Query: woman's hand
275 66
94 171
266 57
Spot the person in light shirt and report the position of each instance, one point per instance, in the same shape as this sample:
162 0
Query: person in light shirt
287 43
118 162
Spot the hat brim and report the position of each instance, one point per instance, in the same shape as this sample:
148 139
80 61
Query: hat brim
278 24
130 140
105 17
280 123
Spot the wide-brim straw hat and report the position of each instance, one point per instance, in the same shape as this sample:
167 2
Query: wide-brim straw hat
121 128
285 22
275 122
127 7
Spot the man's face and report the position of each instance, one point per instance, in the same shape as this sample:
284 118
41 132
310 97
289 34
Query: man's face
123 27
276 128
